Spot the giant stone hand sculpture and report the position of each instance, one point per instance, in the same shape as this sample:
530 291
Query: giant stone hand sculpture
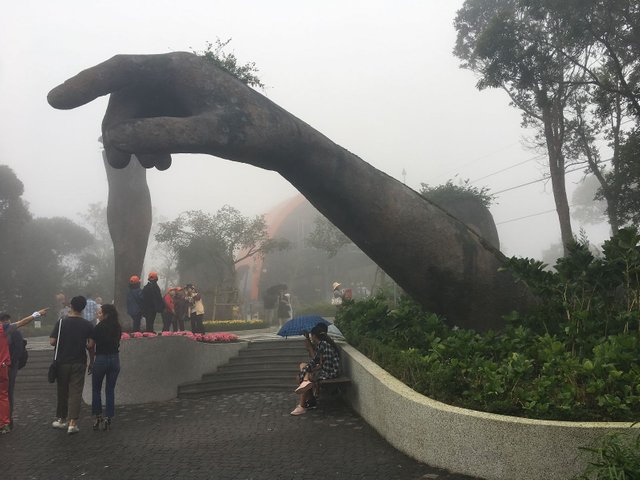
180 103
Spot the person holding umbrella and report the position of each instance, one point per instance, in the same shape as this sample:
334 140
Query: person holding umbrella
324 365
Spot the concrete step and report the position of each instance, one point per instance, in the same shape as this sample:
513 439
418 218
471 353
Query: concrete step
278 346
262 366
249 372
258 380
273 360
223 389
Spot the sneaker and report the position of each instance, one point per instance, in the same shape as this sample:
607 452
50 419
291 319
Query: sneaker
299 410
304 386
59 423
5 429
72 429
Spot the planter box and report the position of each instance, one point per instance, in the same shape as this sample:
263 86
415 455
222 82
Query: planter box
484 445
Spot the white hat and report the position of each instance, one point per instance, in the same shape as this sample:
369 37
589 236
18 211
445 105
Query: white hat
336 285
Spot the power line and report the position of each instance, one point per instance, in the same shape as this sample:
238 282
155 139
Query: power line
545 177
537 157
526 216
481 157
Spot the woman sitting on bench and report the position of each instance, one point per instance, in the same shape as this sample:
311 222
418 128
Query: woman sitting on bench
324 365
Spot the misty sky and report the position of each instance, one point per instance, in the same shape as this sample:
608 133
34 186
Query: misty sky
377 77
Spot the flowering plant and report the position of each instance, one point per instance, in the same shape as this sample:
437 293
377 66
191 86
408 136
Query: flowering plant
226 325
198 337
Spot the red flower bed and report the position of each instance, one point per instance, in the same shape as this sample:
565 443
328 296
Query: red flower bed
198 337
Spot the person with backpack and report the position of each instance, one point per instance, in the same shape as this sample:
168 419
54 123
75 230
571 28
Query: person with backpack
7 369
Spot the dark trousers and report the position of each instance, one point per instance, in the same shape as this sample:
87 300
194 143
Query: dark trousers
196 323
150 318
178 322
137 319
70 384
13 373
105 366
168 320
4 395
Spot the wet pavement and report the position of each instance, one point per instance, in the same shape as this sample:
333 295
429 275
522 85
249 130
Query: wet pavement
247 436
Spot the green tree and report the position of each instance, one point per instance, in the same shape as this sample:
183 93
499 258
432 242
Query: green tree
607 35
449 192
601 39
625 178
246 73
209 246
50 259
327 237
516 48
14 215
96 262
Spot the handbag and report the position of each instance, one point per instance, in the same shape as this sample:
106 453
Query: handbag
52 374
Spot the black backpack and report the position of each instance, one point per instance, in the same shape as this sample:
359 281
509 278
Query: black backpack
18 347
24 356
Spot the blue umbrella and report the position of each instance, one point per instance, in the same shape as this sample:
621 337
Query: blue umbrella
299 325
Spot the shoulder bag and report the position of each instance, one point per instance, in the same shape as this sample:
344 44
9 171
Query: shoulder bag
53 368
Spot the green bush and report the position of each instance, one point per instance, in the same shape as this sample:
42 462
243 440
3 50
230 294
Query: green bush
617 457
574 358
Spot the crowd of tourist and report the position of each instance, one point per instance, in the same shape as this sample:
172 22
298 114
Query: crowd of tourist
176 306
88 342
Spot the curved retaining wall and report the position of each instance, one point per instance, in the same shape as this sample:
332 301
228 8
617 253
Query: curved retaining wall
152 368
474 443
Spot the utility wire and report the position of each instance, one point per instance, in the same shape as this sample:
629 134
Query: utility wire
537 157
480 158
526 216
545 177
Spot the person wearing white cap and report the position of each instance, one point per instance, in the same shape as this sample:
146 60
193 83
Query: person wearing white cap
337 294
285 312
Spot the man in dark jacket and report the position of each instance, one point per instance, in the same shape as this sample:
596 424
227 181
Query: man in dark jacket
152 302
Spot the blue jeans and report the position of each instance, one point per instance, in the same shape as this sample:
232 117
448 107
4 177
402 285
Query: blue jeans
109 366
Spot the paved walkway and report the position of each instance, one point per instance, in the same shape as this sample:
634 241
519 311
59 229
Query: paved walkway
235 436
248 436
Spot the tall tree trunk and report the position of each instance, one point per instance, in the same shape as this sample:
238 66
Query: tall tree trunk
553 124
129 219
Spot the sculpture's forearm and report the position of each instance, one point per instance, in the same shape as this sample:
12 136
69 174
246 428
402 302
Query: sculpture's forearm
437 259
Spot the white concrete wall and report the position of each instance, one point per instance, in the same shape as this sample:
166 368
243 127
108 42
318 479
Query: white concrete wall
152 368
479 444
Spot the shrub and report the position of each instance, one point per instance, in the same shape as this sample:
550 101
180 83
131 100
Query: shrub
574 358
617 457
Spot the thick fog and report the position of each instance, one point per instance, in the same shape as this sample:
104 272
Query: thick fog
377 77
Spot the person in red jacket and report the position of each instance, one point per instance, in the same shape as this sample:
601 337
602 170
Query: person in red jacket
169 313
6 328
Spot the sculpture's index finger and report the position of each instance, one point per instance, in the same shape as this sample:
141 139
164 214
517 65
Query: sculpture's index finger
94 82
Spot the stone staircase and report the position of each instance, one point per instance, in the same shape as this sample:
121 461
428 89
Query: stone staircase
32 379
264 366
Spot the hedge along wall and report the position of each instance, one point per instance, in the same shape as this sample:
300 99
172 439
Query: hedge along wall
152 368
485 445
